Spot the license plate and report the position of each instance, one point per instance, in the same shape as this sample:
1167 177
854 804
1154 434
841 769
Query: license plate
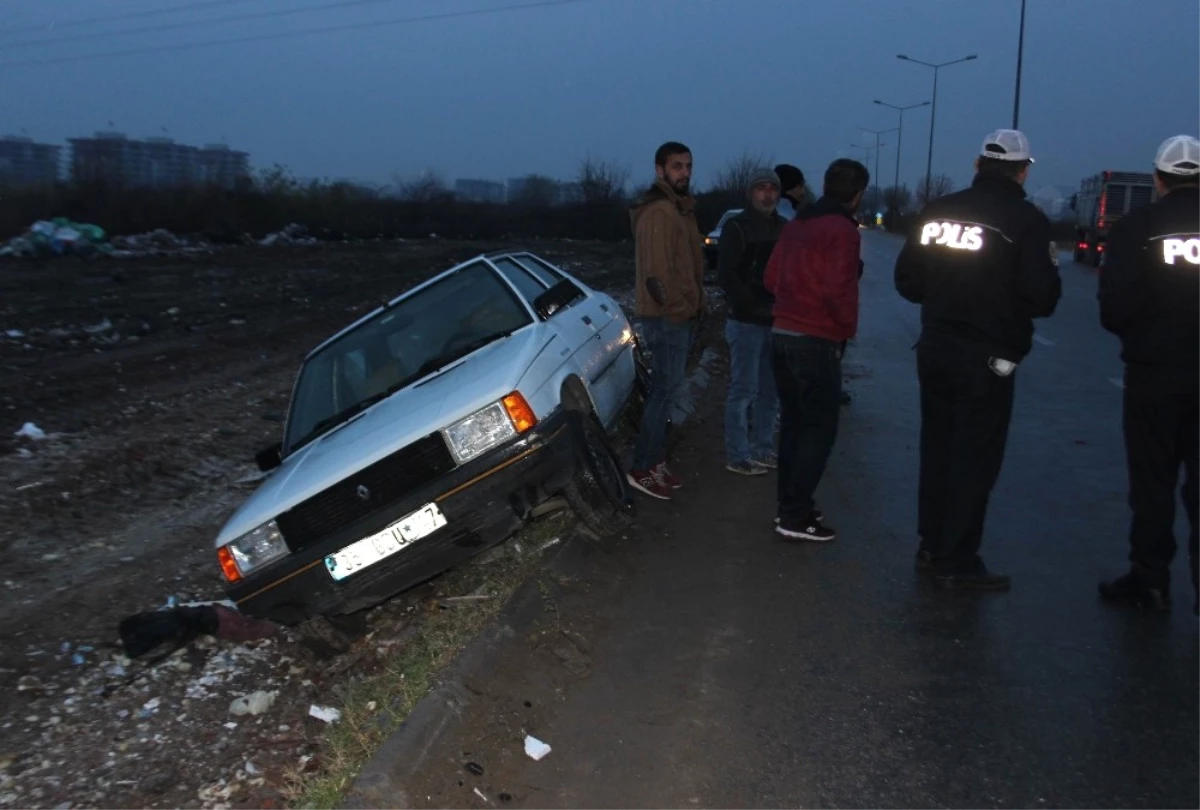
370 550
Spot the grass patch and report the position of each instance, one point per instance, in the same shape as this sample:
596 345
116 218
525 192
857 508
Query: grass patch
374 705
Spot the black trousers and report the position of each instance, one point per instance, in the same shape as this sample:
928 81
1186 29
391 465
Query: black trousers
965 412
808 378
1162 433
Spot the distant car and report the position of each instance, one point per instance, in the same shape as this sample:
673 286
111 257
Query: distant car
712 241
428 430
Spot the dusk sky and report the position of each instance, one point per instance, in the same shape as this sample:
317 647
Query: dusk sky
497 95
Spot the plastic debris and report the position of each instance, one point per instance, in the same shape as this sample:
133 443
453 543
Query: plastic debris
31 431
58 237
253 703
535 748
14 333
326 713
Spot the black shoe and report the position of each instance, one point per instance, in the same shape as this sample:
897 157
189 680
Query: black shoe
979 580
810 529
1138 589
924 560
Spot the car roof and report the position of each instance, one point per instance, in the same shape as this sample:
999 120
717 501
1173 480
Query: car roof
486 258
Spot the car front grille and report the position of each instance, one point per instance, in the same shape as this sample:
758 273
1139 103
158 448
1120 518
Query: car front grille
385 482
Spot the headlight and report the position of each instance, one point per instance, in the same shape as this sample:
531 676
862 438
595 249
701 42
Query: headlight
252 551
489 427
710 240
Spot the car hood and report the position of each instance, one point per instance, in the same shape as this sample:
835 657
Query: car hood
418 410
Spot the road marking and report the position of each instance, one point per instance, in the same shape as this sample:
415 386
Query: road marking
1042 340
1117 381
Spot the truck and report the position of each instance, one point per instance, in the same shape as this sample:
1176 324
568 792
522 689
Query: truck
1103 199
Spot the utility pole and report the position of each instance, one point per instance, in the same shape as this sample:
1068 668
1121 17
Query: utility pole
933 110
1020 58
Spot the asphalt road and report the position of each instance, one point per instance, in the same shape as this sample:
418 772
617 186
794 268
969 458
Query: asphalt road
728 668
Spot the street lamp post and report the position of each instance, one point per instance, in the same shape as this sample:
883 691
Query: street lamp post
1020 56
877 133
933 111
900 131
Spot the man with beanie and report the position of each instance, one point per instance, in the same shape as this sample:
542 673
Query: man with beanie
813 274
747 240
793 192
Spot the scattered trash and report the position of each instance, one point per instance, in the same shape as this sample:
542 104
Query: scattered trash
479 793
461 600
31 431
553 541
78 660
505 797
254 703
293 234
326 713
33 485
535 748
177 627
15 333
29 683
57 237
475 768
100 328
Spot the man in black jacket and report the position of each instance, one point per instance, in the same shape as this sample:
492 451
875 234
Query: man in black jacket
982 266
752 405
1150 298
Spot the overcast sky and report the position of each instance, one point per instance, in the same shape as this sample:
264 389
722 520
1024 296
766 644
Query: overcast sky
496 95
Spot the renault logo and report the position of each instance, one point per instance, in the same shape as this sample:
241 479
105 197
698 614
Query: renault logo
363 493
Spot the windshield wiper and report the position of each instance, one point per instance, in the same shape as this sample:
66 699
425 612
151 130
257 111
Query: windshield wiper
442 360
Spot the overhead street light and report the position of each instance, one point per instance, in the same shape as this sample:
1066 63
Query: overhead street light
1020 56
933 112
900 130
877 133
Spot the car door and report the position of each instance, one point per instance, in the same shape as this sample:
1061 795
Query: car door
605 355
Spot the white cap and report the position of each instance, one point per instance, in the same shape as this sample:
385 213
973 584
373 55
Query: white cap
1179 155
1006 144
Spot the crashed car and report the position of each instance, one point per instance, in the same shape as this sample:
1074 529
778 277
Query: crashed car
428 430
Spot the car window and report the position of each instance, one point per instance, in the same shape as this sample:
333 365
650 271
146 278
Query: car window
455 315
725 217
545 274
529 287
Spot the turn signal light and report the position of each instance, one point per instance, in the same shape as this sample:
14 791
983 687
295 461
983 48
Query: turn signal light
519 412
228 566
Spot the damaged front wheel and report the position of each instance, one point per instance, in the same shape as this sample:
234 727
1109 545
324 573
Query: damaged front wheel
597 493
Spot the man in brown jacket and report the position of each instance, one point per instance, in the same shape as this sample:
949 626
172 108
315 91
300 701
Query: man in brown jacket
670 301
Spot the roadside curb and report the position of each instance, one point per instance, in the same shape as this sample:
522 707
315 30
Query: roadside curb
381 783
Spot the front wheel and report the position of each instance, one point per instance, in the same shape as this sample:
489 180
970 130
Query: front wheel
598 493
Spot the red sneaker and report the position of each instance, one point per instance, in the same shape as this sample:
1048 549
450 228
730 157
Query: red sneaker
666 476
648 483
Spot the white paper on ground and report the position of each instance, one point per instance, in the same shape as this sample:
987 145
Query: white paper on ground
535 748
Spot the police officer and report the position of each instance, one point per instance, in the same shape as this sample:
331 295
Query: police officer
982 266
1150 298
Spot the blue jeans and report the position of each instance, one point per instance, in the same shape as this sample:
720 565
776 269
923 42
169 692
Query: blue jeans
808 373
669 344
752 403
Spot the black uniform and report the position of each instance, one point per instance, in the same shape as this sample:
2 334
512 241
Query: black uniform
980 264
1150 298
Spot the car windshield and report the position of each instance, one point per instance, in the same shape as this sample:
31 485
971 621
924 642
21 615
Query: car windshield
725 217
426 331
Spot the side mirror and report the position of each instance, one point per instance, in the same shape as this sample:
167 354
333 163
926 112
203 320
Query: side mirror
557 297
269 458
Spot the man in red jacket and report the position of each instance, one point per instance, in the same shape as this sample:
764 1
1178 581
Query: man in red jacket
813 274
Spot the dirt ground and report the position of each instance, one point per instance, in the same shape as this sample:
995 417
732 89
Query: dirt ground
154 380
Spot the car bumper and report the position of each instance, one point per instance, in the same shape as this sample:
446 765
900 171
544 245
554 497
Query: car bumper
483 502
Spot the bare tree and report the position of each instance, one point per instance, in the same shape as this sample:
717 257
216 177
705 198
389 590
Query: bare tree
601 182
534 191
939 186
736 174
897 198
427 187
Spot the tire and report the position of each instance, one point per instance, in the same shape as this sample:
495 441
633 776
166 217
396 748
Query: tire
598 493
